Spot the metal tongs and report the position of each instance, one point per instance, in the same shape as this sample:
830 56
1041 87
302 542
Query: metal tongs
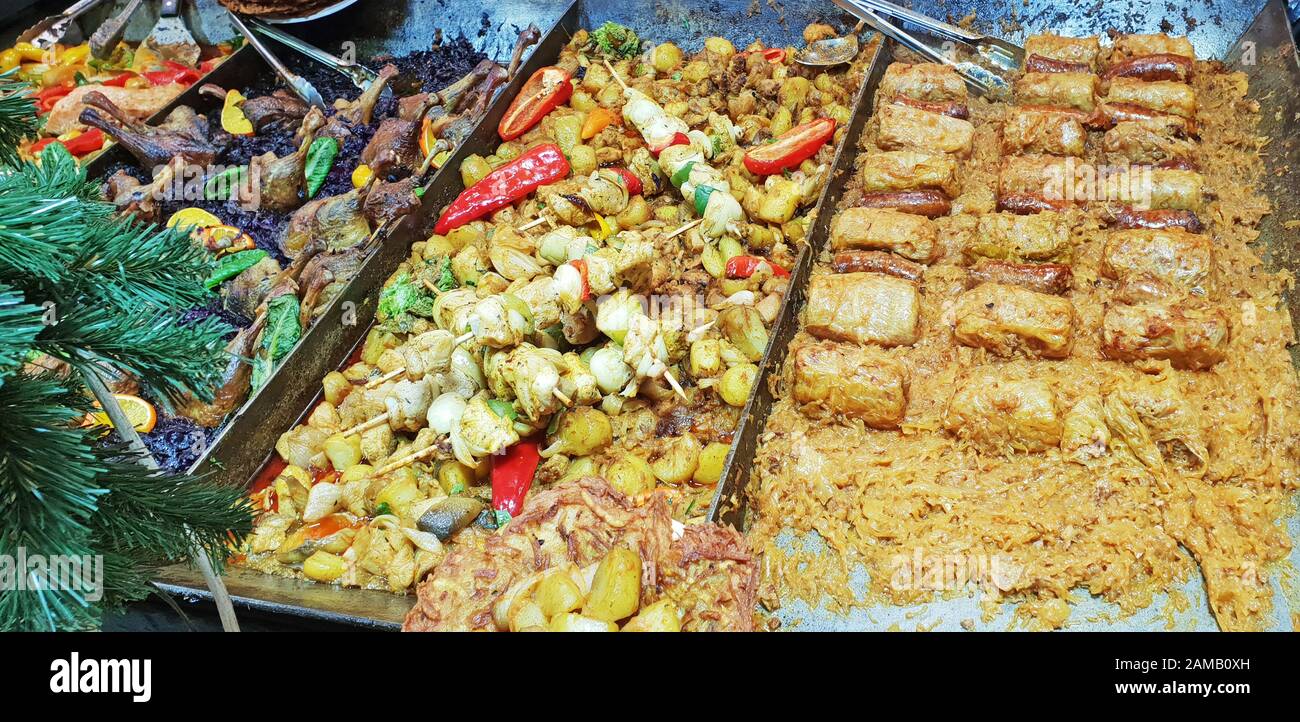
296 82
360 75
1002 57
51 30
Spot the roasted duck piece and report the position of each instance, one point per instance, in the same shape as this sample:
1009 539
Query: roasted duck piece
235 382
279 111
280 180
339 221
184 134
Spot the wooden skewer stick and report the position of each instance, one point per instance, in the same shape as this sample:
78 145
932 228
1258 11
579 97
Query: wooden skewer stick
685 228
433 288
532 224
380 381
407 460
677 388
615 74
563 399
462 339
367 425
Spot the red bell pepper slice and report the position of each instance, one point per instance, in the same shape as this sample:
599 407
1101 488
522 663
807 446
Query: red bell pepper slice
546 89
581 265
46 99
745 266
119 81
88 142
174 73
678 138
792 148
774 55
512 475
630 180
537 167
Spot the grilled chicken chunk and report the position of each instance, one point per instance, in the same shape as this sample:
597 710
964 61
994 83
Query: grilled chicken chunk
1053 278
1164 96
904 170
931 82
1175 257
1189 336
1041 131
1005 319
1010 237
1066 90
863 308
856 381
999 415
902 126
910 236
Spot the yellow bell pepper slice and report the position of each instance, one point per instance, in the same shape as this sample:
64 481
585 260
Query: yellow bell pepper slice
233 120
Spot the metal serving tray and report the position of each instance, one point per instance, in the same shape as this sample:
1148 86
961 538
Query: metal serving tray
1266 51
248 440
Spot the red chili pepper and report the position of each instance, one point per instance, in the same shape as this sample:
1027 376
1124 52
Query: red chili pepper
88 142
505 185
792 148
745 266
678 138
119 81
546 89
46 99
40 145
512 476
581 265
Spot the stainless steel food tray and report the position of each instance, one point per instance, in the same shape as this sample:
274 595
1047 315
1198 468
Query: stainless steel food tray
1253 37
249 438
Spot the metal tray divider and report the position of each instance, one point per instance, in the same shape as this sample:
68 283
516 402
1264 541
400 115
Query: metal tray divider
730 499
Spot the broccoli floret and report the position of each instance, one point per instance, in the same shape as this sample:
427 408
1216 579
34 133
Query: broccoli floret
617 40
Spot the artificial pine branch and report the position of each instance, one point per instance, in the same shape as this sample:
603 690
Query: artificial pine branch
119 290
50 491
19 324
17 116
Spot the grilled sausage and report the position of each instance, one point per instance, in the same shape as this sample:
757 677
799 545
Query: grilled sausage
877 262
1127 217
930 204
1161 66
950 108
1052 278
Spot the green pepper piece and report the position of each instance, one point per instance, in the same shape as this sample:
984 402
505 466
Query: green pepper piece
233 265
320 159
